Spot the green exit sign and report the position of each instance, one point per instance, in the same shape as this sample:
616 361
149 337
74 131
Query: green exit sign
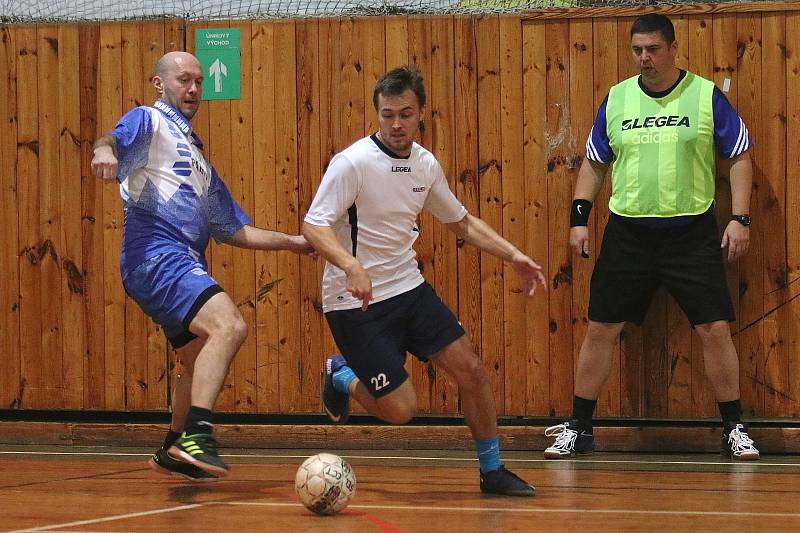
217 49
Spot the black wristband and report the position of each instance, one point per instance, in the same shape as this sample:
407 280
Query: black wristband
579 215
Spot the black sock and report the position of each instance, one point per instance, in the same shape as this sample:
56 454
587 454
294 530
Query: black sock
731 411
198 420
583 411
170 439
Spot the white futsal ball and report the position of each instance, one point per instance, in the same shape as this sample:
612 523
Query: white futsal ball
325 483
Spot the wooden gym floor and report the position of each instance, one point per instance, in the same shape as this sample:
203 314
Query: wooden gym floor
101 489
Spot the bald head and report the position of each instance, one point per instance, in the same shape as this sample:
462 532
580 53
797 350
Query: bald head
170 60
178 80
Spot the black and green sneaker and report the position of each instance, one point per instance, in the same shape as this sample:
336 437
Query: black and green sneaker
163 463
200 450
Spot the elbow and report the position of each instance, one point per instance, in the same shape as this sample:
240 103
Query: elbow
461 228
307 231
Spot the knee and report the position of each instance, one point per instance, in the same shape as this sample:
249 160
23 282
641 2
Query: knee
716 333
401 414
234 331
599 333
472 374
398 410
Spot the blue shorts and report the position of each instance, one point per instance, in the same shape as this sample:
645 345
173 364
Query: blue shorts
171 288
374 342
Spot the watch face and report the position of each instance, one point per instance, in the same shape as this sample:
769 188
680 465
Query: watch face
742 219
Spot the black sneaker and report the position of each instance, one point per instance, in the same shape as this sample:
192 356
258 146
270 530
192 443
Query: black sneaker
336 404
199 450
505 482
162 463
737 444
571 439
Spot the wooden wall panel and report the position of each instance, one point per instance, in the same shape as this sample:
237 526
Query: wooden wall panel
10 379
513 228
49 216
91 224
33 383
73 321
491 199
510 103
792 204
537 338
777 398
264 214
559 193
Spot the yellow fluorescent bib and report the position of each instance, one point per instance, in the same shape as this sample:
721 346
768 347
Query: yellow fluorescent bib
664 149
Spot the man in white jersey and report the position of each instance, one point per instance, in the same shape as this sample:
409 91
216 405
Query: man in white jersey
363 220
174 201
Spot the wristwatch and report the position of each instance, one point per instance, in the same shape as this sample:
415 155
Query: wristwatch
744 220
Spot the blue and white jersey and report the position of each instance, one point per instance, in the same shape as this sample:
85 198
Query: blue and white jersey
731 137
174 199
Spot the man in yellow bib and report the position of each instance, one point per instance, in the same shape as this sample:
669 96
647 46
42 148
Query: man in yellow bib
660 130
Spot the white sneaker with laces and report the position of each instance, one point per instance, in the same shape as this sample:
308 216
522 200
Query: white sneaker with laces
570 440
737 444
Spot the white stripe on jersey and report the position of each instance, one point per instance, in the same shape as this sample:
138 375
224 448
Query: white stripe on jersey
591 151
743 142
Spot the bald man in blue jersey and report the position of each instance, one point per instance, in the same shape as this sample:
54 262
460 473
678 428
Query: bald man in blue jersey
174 202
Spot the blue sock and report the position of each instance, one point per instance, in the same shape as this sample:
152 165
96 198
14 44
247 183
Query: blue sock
488 453
342 379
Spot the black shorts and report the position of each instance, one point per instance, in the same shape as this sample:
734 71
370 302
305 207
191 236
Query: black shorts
635 260
374 342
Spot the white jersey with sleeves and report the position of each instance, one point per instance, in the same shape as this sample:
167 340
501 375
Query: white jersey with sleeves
371 197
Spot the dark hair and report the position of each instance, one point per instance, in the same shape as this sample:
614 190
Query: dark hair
397 81
652 23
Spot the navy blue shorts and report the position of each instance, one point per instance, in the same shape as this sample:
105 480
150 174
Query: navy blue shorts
635 261
374 342
171 288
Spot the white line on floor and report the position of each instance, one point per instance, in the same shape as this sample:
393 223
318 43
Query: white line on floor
109 518
412 458
535 510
